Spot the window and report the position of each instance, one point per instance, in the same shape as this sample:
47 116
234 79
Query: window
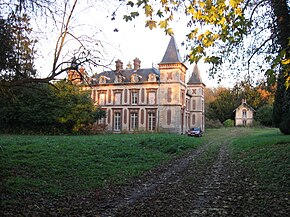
193 104
169 94
117 98
102 98
134 121
193 119
244 113
102 80
135 78
168 117
118 79
151 98
169 76
134 98
117 121
152 77
151 121
182 98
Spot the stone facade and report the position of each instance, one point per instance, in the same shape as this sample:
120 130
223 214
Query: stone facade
150 99
244 114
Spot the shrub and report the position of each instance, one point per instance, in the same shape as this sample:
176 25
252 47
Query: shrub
264 115
229 123
211 123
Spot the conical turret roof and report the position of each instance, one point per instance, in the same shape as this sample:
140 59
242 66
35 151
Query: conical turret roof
172 53
195 76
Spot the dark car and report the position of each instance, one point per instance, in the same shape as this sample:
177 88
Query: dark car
196 131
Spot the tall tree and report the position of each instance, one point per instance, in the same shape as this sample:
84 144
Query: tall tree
281 111
17 49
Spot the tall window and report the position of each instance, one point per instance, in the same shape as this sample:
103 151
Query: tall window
193 104
117 98
134 98
168 117
117 121
193 119
151 121
151 98
102 98
169 94
244 113
134 120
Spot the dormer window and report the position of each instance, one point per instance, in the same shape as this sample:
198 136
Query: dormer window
118 79
135 78
151 77
103 79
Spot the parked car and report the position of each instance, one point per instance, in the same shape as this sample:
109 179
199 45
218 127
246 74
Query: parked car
196 131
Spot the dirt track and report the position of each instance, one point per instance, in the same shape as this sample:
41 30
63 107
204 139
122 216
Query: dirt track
204 183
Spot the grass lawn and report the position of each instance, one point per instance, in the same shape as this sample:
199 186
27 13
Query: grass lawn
57 165
266 152
60 165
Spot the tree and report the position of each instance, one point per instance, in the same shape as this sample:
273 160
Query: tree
223 106
265 115
75 106
41 108
16 52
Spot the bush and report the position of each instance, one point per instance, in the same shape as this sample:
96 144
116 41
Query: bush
211 123
229 123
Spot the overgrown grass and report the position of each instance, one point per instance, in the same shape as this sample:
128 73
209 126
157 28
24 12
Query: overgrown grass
76 164
266 152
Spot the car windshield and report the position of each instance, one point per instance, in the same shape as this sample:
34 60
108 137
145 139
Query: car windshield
195 129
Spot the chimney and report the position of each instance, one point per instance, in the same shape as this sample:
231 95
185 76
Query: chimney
137 63
119 65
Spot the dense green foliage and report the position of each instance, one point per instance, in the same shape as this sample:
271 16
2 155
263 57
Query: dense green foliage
229 123
17 48
264 115
64 164
42 108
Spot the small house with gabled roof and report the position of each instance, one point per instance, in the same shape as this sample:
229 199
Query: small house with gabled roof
150 99
244 114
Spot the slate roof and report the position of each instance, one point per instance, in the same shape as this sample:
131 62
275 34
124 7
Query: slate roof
127 73
172 53
195 76
244 104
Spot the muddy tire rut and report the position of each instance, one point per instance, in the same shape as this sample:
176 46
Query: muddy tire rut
191 186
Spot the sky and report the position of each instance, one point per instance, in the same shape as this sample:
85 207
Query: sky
131 40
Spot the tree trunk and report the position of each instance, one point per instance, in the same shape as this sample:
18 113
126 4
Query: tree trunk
282 20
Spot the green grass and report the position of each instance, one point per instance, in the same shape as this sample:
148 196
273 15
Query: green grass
58 165
266 152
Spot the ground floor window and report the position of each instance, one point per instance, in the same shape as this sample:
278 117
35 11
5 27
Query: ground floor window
117 121
151 121
134 121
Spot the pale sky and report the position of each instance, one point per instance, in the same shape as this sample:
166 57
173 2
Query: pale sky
132 40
